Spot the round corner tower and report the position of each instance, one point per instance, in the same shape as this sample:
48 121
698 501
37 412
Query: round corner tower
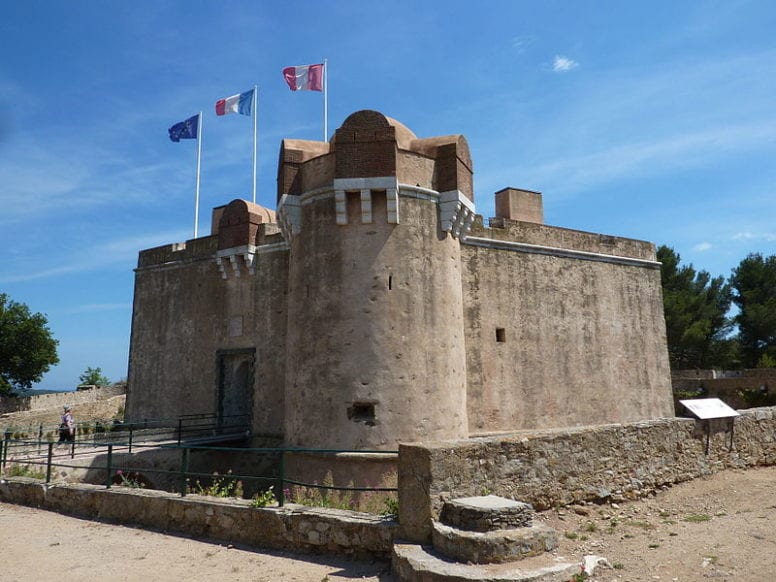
375 348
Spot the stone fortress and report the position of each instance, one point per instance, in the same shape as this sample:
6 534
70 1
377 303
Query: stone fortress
376 307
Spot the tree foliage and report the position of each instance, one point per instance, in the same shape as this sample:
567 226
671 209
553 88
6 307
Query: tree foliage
696 307
754 285
27 348
93 376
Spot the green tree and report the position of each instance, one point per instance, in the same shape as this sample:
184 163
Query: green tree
754 285
27 348
93 376
696 307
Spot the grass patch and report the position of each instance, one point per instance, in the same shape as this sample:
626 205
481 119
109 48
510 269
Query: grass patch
698 518
25 471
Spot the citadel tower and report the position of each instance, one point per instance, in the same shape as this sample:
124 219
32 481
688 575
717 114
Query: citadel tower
375 307
375 346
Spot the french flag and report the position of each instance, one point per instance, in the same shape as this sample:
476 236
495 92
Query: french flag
242 104
305 77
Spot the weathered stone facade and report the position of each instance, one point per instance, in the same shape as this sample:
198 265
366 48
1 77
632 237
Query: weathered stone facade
377 307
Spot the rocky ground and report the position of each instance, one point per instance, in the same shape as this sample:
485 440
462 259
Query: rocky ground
718 528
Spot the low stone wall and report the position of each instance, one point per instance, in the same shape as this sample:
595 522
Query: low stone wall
293 527
48 401
560 467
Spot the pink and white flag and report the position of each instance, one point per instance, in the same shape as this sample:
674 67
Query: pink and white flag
304 78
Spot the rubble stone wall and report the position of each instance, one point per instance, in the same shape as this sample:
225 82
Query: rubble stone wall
564 466
293 527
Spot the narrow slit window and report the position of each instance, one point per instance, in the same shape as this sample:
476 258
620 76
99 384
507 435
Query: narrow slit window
390 282
501 335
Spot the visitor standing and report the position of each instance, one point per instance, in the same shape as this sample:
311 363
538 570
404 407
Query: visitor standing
67 426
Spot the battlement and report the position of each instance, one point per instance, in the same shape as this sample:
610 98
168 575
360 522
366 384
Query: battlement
369 145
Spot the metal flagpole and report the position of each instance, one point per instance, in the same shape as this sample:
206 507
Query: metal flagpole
325 99
199 156
255 117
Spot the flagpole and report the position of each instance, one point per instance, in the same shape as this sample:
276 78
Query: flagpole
325 99
255 122
199 156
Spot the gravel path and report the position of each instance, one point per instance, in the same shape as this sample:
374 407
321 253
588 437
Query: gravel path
49 547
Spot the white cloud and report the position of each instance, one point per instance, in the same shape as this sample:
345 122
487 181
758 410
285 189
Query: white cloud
521 43
746 235
704 246
562 64
585 169
114 252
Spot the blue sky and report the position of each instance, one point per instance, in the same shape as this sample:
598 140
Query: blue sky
652 120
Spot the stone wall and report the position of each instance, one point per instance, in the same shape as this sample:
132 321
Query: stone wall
293 527
558 338
195 324
29 422
564 466
48 401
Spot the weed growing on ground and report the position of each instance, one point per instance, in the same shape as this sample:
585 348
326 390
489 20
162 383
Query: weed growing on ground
25 471
391 506
221 486
264 498
129 480
698 518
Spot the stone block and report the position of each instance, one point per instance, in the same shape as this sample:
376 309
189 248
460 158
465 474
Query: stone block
486 513
493 547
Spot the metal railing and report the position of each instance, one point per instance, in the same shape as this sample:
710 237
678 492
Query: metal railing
201 427
26 453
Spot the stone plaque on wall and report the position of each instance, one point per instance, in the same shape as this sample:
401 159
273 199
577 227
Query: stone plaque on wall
235 326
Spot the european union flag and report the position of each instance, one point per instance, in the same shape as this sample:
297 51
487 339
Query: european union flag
185 129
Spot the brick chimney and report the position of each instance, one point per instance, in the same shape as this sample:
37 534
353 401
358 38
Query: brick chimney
517 204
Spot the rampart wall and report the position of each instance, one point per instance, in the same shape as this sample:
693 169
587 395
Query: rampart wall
559 467
48 401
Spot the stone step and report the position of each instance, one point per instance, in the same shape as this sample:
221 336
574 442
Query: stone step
486 513
416 563
492 547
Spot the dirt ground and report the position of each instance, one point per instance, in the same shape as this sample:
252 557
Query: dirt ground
41 546
721 528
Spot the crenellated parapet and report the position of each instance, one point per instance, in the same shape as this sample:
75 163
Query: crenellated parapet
370 155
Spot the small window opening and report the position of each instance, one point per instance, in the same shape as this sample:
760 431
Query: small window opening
501 334
390 282
362 412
